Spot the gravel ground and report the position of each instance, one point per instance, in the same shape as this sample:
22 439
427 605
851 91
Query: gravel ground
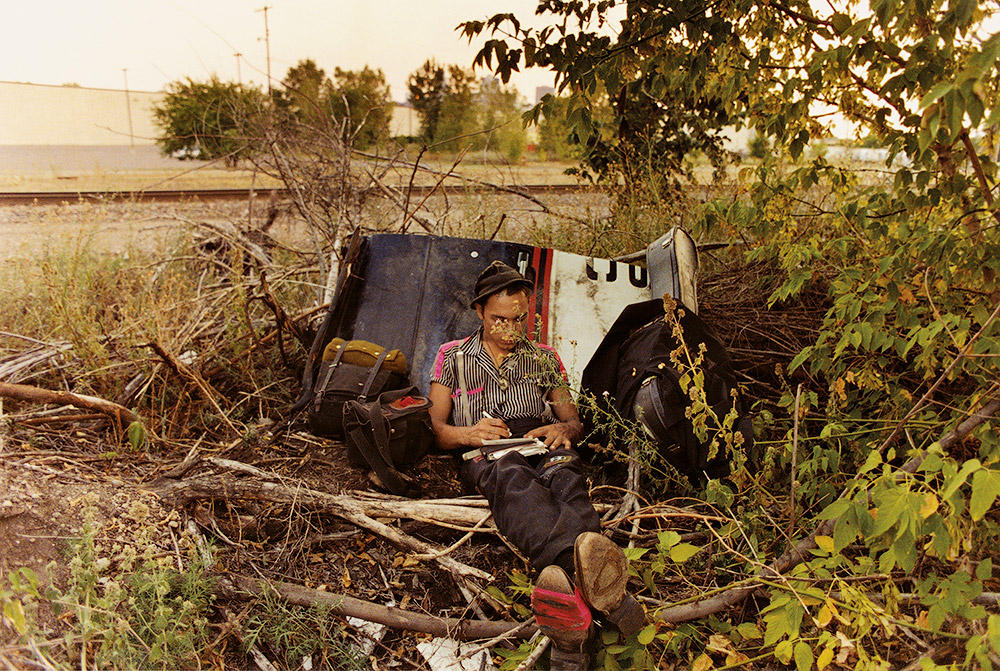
108 227
118 226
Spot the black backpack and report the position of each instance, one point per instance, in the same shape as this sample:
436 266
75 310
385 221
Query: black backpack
390 433
631 370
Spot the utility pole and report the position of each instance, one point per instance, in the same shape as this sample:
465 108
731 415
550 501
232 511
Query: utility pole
239 75
267 45
128 106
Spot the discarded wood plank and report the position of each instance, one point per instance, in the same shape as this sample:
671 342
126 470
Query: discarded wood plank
341 604
23 392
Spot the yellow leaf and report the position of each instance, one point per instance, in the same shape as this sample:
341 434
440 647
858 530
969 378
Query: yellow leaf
825 543
824 658
346 578
906 296
735 658
922 620
719 643
930 505
840 387
824 616
703 663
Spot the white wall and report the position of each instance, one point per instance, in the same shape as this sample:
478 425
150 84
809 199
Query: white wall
40 114
34 114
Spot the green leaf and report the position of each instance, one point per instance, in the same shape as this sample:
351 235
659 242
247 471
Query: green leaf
835 509
748 630
799 358
984 571
939 90
873 460
845 531
682 552
646 636
136 433
841 22
985 488
803 656
954 483
668 539
635 553
783 652
14 610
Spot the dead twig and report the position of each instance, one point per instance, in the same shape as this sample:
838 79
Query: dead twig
22 392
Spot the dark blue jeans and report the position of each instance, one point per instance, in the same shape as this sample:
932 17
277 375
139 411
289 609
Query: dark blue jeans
539 503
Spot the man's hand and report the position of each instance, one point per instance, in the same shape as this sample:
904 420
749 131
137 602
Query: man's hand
555 435
487 428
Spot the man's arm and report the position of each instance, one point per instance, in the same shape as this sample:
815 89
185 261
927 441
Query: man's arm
568 429
451 437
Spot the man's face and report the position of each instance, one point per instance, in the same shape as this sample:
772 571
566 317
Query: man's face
504 316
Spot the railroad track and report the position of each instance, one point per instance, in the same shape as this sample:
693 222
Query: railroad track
176 195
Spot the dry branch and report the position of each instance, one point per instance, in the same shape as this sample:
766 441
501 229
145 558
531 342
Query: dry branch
22 392
397 618
360 513
18 368
180 492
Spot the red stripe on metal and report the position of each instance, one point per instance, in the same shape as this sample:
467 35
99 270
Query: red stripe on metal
546 282
535 254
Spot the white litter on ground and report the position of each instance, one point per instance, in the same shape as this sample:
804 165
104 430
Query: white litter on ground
442 655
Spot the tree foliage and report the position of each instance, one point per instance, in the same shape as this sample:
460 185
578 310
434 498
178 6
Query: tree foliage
426 94
355 102
208 119
457 112
906 257
361 97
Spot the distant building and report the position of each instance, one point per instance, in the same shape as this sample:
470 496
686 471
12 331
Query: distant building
40 114
43 114
405 121
542 91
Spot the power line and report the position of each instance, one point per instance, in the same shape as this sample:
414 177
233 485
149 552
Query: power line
267 45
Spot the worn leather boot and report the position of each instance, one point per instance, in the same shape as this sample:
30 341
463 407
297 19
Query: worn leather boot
562 615
601 576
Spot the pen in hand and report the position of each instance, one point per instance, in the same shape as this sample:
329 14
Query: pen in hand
487 415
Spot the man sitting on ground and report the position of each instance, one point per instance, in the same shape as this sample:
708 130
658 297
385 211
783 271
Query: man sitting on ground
496 384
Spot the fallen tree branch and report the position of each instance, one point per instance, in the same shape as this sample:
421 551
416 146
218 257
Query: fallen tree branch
214 486
800 552
362 514
22 392
340 604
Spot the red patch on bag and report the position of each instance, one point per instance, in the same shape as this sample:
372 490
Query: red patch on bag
407 401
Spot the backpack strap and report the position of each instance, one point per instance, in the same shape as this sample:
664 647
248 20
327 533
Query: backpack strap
376 369
374 445
321 387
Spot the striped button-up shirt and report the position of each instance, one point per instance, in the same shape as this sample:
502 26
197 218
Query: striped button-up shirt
518 389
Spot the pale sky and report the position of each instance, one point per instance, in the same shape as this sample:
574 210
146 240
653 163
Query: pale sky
89 42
